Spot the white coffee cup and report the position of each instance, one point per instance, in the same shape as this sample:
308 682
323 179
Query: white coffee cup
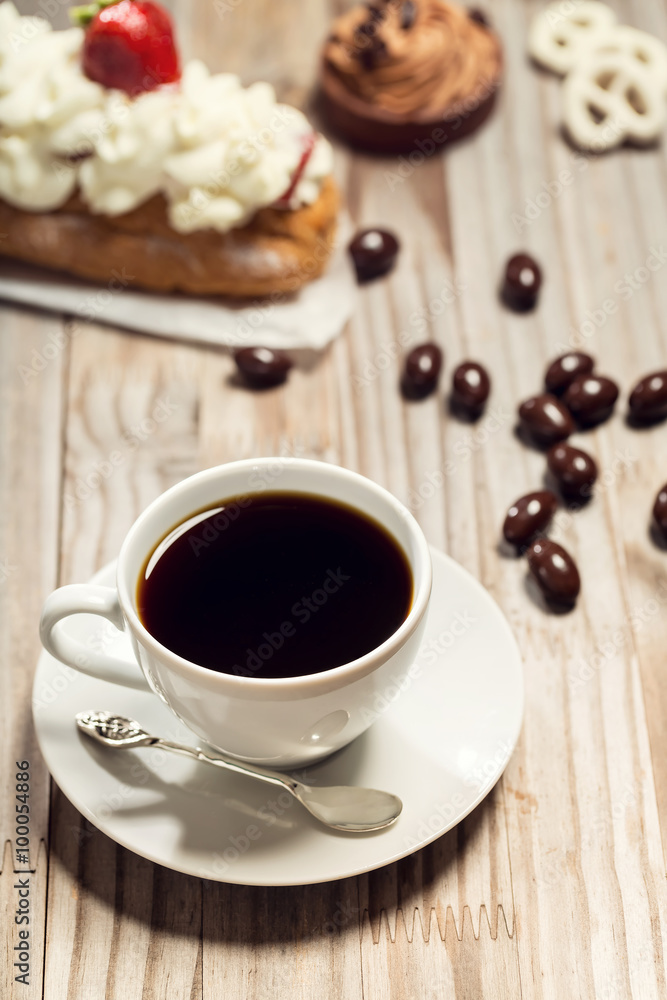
285 721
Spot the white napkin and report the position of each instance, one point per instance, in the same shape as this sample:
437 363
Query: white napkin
307 321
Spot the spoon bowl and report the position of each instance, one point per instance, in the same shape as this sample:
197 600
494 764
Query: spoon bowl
341 807
353 810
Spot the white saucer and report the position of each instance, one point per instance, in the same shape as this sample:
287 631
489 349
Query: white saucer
441 746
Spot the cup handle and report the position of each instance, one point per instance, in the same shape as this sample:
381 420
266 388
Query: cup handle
87 599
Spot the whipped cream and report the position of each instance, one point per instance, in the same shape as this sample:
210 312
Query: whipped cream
217 151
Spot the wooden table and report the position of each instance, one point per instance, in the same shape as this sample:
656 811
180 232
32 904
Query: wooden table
555 886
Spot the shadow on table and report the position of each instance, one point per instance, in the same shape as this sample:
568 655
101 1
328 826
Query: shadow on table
174 905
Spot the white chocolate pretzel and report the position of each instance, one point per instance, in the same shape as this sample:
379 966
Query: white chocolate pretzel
562 30
644 49
609 98
615 76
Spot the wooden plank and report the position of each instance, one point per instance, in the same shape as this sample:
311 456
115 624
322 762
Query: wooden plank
439 961
118 926
23 895
645 195
282 943
31 391
33 359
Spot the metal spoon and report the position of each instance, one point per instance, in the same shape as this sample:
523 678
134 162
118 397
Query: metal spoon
343 807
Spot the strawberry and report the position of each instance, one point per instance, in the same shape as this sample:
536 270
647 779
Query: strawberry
128 45
308 144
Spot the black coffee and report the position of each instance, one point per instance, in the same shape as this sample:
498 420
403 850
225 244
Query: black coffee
275 585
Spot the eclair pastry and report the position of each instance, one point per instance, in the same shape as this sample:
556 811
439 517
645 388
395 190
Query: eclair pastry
408 75
187 180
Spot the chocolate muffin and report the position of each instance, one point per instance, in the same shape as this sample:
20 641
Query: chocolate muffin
409 75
